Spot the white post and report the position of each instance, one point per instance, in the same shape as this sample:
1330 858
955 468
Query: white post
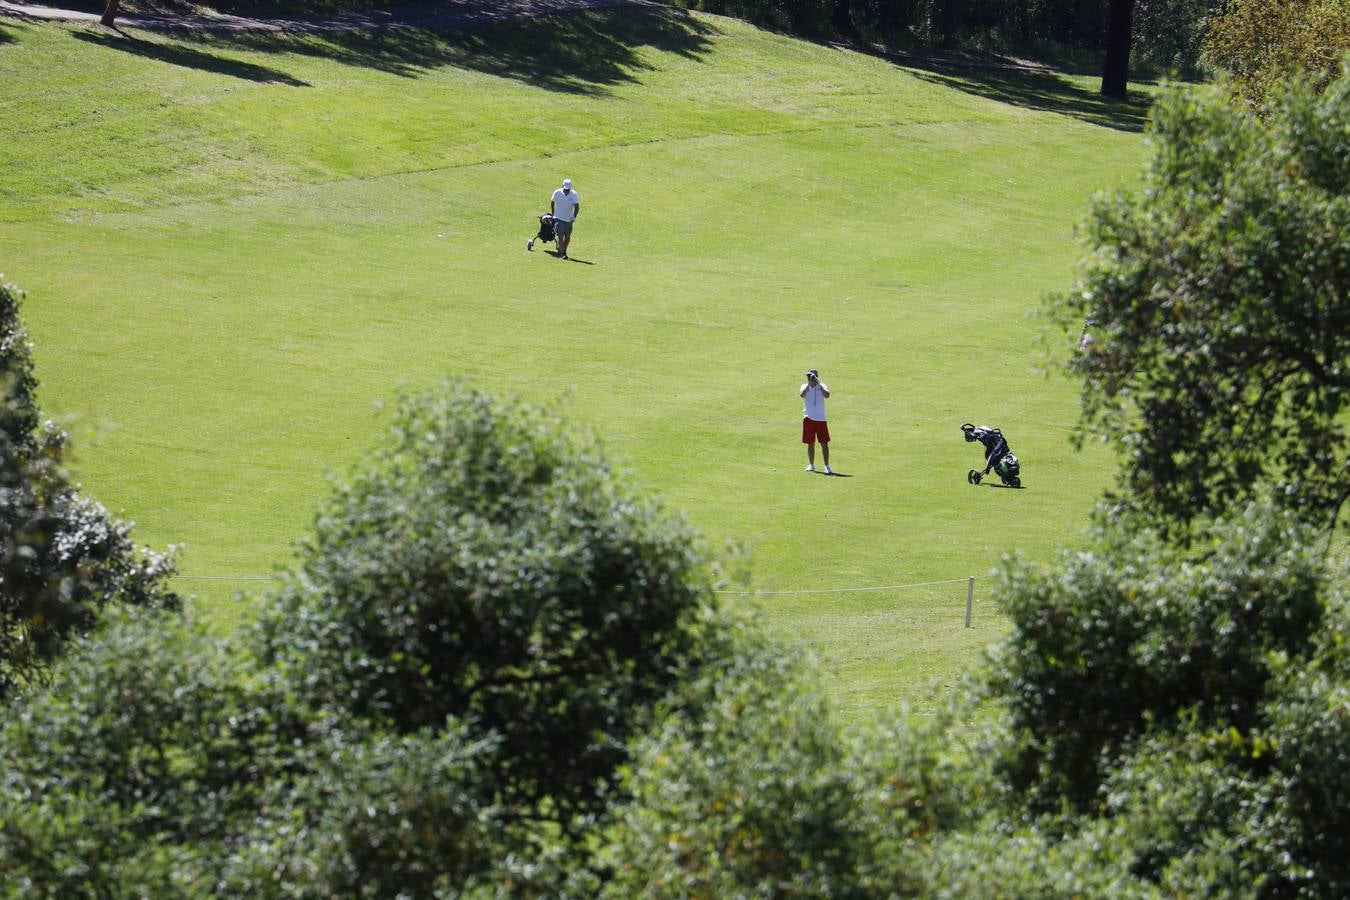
970 599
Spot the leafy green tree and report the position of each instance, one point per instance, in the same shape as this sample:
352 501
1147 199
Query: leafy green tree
1177 809
1169 34
1216 353
483 566
62 557
1303 829
751 788
1173 719
1206 808
377 816
1140 635
158 762
126 769
1261 43
1038 860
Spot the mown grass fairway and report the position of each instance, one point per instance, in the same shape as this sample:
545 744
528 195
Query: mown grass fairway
235 247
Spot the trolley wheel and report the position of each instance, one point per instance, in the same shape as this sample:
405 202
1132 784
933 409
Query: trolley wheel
974 476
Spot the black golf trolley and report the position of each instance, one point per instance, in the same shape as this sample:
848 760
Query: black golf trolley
545 231
998 457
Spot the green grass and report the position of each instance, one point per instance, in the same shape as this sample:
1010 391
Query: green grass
235 248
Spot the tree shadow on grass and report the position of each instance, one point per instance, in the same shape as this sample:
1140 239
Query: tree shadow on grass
1035 89
12 21
580 53
188 57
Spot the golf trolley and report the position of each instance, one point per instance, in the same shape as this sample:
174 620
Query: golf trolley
545 231
997 455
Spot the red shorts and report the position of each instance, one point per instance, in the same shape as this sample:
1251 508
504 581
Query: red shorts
813 431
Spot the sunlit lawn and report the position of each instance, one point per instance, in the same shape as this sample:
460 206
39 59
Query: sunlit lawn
235 249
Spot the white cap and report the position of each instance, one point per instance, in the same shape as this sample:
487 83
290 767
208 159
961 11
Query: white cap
567 182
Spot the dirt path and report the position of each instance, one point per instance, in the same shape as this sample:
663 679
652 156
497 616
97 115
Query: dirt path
441 14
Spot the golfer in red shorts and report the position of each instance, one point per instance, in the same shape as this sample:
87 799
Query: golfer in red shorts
813 395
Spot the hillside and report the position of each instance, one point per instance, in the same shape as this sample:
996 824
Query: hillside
236 246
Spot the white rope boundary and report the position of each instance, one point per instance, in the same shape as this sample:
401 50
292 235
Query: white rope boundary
222 578
969 580
885 587
856 590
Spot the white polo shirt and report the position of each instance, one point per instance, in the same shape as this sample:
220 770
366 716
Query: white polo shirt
813 403
565 205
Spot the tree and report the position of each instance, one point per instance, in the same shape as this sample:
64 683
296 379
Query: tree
751 787
483 567
1260 43
1119 37
158 762
1169 34
1138 634
62 557
841 18
1217 347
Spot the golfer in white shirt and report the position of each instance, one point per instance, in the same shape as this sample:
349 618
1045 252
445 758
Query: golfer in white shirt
566 206
813 395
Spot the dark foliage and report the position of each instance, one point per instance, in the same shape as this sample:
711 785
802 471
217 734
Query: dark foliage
1169 34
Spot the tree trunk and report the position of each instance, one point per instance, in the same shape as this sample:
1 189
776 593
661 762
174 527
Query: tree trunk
841 19
110 12
1119 25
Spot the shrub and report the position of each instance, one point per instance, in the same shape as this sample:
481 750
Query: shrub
1136 635
379 816
749 794
158 764
136 758
483 567
1306 831
1261 43
1182 803
749 788
1037 860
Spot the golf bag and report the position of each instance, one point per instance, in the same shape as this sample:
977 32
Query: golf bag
998 457
545 231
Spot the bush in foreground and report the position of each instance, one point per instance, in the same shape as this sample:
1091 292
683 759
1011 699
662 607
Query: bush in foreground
755 789
481 566
1137 634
